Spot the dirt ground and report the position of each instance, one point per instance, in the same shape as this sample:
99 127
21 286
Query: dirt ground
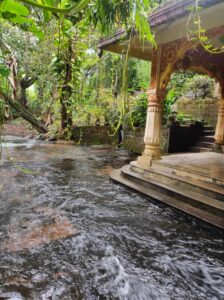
18 128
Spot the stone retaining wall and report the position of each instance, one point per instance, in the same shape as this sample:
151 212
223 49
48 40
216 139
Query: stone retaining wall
95 135
201 109
133 139
174 138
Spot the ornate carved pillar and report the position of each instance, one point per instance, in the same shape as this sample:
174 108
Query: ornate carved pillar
152 136
219 133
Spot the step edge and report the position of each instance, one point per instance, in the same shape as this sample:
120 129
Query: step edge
160 163
193 195
207 186
129 184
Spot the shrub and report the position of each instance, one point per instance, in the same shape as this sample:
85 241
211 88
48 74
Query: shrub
138 110
200 85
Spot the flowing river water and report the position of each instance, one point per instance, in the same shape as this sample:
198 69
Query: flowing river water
68 232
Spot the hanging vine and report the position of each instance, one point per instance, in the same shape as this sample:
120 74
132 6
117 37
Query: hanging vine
200 33
2 112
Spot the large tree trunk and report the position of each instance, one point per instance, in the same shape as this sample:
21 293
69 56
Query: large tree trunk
18 101
24 84
26 114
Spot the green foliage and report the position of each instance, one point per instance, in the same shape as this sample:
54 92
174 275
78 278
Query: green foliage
19 14
200 85
171 98
186 120
61 7
197 32
4 70
105 13
182 83
138 110
38 35
175 90
179 79
13 9
110 15
2 113
138 74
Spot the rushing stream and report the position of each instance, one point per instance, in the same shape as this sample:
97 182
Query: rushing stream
68 232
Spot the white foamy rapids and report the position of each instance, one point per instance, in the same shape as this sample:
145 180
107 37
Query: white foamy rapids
14 142
116 282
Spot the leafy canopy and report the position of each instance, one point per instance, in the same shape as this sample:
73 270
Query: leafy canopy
107 15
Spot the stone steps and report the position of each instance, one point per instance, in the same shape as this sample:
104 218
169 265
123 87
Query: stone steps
208 189
206 142
189 172
209 132
208 138
176 192
207 127
195 204
197 149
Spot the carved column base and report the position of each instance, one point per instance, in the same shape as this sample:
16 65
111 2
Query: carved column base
218 148
151 153
219 133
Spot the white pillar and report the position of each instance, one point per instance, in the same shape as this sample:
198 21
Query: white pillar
152 136
219 133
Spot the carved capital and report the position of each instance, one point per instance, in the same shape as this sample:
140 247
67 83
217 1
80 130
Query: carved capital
154 107
156 95
151 93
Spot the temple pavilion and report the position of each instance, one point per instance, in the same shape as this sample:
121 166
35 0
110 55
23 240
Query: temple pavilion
191 182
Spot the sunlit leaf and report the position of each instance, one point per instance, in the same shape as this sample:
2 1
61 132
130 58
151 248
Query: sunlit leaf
36 31
4 71
21 20
14 7
8 15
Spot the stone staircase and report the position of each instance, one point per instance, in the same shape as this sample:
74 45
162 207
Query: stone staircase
188 189
206 142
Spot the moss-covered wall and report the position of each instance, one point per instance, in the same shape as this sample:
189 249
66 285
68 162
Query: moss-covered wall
201 109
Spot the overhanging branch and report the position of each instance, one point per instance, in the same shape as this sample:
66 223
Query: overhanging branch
74 8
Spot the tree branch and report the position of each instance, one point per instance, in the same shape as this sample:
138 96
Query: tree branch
74 8
24 113
26 82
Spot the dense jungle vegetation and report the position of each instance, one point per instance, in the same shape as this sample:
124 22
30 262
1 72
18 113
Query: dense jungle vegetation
51 74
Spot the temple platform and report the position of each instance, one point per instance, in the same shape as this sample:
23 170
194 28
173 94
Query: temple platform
191 182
